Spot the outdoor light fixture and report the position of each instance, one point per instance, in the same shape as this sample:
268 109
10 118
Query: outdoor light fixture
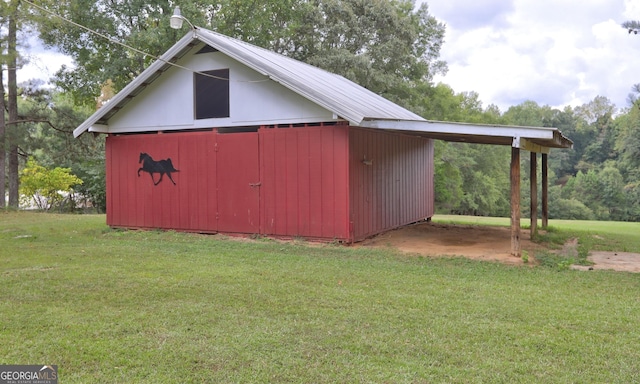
176 19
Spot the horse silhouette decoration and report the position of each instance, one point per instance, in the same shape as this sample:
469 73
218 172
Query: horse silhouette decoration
161 166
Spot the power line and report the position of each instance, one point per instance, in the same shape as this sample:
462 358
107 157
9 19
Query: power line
136 49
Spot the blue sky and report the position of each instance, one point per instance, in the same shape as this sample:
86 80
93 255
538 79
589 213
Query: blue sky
554 52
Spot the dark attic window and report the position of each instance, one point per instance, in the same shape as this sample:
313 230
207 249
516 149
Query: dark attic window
211 94
207 49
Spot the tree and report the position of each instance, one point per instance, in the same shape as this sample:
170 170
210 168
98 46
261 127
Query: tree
627 143
47 187
447 177
12 103
384 45
568 209
141 24
632 25
49 139
3 152
11 22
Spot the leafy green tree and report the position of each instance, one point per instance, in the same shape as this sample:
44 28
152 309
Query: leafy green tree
528 114
485 179
49 140
494 168
143 25
9 59
613 196
567 209
469 179
46 187
632 201
447 178
595 133
3 152
600 190
384 45
93 188
628 143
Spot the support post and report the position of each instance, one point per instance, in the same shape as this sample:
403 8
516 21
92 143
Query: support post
515 202
545 192
533 178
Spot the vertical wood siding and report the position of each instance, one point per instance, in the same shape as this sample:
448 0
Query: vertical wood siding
300 181
396 188
238 182
135 202
304 174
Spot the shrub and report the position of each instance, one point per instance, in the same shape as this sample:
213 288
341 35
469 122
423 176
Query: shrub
46 187
570 209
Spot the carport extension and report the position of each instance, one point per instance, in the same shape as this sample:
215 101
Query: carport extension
533 139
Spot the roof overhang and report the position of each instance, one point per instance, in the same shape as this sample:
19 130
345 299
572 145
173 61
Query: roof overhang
98 121
534 139
287 72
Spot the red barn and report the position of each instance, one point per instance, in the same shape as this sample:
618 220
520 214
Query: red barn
261 144
219 135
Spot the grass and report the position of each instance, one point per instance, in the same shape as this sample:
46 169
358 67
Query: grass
164 307
591 236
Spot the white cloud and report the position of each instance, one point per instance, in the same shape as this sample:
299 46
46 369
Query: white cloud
41 62
554 52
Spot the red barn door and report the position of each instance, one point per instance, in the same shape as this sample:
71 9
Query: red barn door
238 182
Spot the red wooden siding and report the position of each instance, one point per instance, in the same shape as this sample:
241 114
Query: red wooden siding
209 184
134 201
304 174
238 183
298 181
396 188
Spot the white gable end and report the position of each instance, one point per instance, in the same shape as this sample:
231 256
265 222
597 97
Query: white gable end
254 99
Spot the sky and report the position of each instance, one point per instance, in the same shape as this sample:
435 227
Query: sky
553 52
42 62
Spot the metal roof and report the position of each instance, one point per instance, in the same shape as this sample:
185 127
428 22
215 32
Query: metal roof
535 139
337 94
333 92
343 97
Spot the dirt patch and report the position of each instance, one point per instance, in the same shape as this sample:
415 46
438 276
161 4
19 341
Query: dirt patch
433 239
486 243
617 261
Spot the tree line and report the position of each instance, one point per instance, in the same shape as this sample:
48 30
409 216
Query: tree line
391 47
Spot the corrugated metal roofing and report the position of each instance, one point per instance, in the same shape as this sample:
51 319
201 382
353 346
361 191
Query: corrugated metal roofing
337 94
343 97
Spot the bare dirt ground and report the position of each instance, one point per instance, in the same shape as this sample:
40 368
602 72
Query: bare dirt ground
618 261
484 243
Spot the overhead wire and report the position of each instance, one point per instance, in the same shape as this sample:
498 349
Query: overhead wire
136 49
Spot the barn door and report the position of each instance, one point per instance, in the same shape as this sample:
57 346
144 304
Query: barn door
238 180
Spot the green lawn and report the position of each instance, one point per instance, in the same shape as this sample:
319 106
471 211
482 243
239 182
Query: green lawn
116 306
593 235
